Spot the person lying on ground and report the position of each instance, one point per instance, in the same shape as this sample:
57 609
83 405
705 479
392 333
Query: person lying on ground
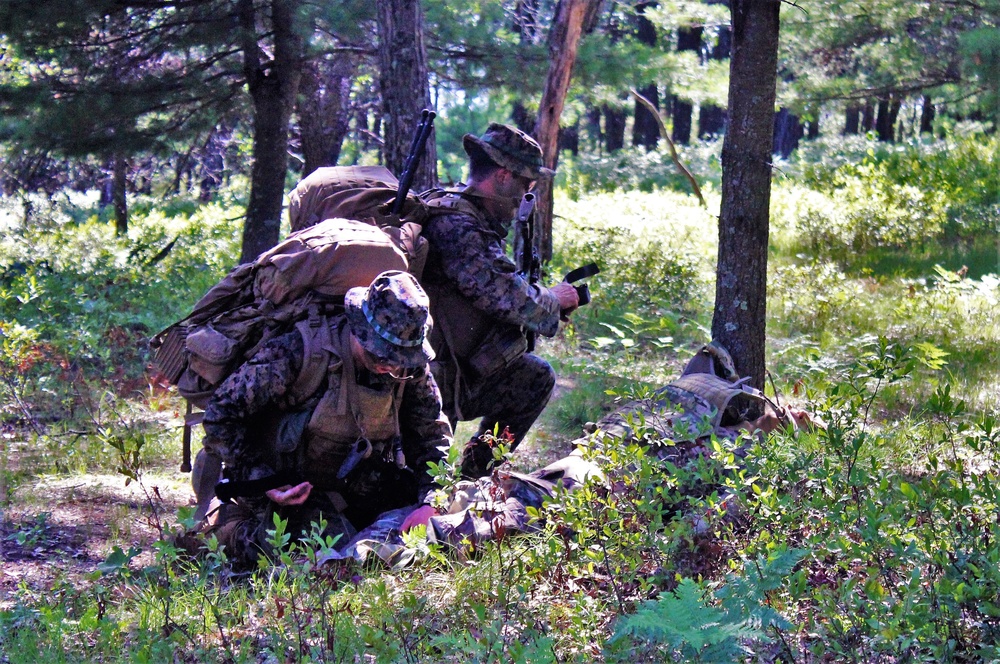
676 423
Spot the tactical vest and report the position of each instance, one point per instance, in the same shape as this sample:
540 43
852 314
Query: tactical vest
476 343
693 406
344 414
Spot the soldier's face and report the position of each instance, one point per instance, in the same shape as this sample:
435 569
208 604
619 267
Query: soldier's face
513 187
376 364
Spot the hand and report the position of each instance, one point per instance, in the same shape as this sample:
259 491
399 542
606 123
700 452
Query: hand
418 517
568 298
290 495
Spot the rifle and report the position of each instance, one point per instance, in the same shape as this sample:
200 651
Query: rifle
529 267
417 148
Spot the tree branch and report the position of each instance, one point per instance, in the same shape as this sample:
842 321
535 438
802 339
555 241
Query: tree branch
673 150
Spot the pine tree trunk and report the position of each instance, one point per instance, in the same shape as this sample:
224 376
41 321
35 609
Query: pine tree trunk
572 17
688 39
740 319
645 128
812 132
884 121
324 113
682 114
712 118
852 120
404 86
927 116
868 116
273 83
788 132
614 128
118 195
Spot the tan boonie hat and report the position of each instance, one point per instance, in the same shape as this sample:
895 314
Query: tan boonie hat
391 319
510 148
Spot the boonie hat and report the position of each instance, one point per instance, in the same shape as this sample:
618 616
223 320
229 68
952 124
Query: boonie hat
391 319
510 148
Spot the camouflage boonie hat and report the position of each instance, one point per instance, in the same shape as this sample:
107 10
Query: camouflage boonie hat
509 148
391 319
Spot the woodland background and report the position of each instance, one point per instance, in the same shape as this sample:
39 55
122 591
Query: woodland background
146 150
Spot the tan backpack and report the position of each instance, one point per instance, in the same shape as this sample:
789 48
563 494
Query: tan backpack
305 276
343 236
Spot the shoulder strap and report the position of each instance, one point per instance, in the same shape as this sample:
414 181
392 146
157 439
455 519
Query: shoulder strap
315 333
449 201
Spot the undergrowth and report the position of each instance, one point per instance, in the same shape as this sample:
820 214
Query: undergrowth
872 540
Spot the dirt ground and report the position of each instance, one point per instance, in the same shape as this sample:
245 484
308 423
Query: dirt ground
63 527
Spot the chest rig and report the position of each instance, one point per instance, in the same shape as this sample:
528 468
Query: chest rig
352 426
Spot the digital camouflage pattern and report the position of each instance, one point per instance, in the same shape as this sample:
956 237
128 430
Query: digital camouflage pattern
252 412
675 423
468 254
510 148
475 292
391 319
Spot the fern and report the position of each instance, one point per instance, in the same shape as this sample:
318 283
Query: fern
685 623
745 595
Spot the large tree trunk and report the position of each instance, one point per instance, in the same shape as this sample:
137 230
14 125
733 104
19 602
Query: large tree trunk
324 113
572 19
740 318
645 129
404 87
273 83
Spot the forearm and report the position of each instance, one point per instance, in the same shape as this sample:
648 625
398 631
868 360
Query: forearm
482 273
426 431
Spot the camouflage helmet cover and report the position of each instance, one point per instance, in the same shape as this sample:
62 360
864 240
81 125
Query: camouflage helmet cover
391 319
510 148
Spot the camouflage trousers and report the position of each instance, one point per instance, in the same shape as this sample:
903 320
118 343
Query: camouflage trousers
512 398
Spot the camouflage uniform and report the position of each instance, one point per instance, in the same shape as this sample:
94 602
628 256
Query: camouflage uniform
482 308
258 429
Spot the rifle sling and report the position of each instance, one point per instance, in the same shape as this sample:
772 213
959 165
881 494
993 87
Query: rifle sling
582 272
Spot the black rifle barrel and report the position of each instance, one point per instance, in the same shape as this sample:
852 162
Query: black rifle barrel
417 147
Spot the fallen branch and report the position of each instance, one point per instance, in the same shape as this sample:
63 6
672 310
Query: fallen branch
673 151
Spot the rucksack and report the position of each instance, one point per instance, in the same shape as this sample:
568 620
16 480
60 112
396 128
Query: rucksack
364 193
344 237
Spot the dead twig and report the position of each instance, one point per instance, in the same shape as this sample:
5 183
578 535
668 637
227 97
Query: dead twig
673 150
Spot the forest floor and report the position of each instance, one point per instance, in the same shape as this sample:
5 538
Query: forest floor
64 527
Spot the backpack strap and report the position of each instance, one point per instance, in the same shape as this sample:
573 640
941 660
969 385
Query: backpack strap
449 201
315 332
